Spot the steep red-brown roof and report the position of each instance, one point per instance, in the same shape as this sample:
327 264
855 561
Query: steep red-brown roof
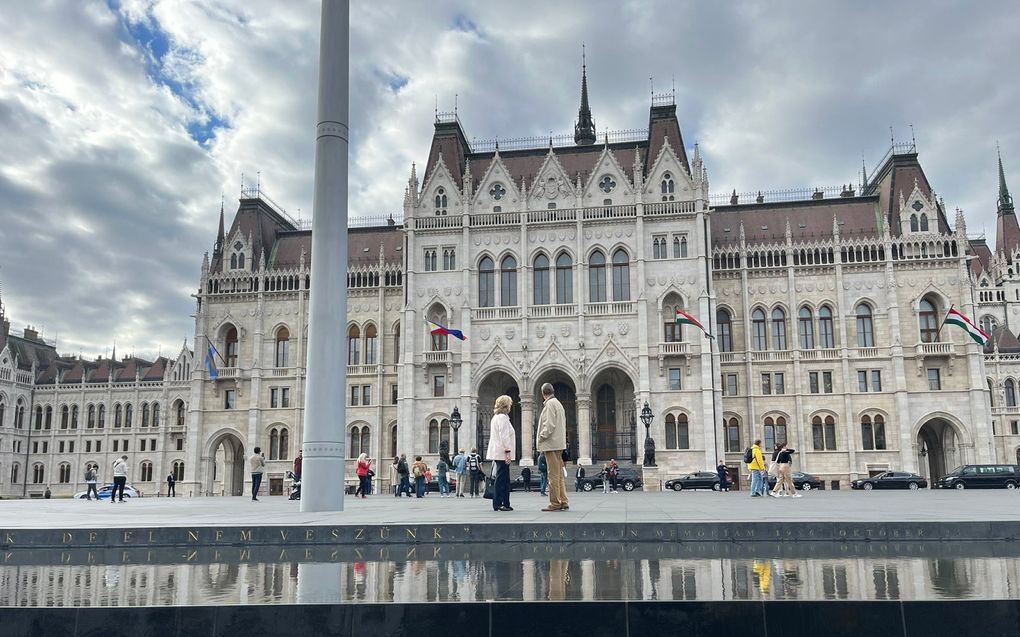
809 219
577 161
983 256
363 246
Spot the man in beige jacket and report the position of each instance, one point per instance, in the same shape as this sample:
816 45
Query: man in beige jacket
552 440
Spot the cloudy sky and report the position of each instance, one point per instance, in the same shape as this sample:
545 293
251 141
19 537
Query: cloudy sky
123 121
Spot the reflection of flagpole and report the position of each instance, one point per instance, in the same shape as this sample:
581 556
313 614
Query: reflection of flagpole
939 331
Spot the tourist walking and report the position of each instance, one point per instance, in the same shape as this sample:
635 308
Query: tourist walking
756 465
258 467
579 479
474 466
552 440
444 484
543 470
724 480
298 461
459 468
171 491
91 475
364 466
605 478
784 472
612 470
404 488
501 451
526 477
418 470
119 478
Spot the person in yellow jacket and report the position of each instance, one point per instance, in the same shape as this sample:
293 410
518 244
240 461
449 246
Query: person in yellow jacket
757 469
763 569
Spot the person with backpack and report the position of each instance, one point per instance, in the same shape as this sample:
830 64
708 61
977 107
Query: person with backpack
404 488
612 471
460 468
543 470
444 484
418 470
474 466
756 465
91 475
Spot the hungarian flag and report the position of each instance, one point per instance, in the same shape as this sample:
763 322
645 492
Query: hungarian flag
436 328
683 318
956 318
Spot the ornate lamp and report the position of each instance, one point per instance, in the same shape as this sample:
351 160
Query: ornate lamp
455 422
646 419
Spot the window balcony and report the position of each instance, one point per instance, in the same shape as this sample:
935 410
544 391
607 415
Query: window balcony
442 357
281 372
935 349
670 208
438 222
547 311
609 308
228 372
497 313
362 370
730 357
772 356
674 349
866 352
827 354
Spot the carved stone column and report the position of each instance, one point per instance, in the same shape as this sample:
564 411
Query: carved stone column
584 429
527 458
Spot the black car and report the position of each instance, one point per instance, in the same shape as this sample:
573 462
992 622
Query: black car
982 476
891 480
517 484
626 478
696 480
802 481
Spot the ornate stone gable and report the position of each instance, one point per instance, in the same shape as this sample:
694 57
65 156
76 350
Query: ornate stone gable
607 180
612 353
496 187
497 358
668 162
552 183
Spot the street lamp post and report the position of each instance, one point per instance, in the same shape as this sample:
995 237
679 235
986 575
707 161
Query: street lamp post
646 419
455 421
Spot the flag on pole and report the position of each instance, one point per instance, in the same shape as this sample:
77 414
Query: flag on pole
210 360
955 317
683 318
436 328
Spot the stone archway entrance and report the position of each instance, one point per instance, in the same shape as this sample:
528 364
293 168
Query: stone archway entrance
566 393
937 448
614 422
228 466
493 386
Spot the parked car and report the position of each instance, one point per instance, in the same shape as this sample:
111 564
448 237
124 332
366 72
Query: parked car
696 480
981 476
891 480
802 481
104 492
626 478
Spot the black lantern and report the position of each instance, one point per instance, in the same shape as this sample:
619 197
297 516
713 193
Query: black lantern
455 422
646 419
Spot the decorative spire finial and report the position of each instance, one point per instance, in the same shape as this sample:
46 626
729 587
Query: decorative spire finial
1005 201
864 175
584 130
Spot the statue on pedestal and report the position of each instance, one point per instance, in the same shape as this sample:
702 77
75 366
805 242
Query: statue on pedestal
649 460
444 451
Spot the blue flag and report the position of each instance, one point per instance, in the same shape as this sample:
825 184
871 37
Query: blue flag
210 361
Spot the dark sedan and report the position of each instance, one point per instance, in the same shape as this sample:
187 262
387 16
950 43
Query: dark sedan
891 480
626 479
802 481
697 480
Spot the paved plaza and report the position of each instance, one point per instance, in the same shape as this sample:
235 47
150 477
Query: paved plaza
585 508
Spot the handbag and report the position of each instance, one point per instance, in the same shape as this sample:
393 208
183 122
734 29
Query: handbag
490 488
773 469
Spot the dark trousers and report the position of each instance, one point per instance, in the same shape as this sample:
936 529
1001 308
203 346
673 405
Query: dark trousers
527 485
577 483
419 486
118 483
404 488
92 489
501 489
171 491
362 489
256 482
476 476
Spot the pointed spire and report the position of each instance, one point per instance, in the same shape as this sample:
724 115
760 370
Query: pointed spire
584 130
864 175
218 248
1005 202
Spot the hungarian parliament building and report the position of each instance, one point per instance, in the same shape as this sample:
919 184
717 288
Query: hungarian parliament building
565 260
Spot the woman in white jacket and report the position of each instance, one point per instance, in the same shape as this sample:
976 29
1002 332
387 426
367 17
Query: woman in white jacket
501 451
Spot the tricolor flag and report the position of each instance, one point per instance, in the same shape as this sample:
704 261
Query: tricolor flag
210 361
436 328
954 317
683 318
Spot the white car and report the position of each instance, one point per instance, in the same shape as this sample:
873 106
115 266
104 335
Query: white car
105 490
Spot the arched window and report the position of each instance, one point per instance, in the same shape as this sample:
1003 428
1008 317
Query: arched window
65 415
371 345
91 417
284 444
74 417
564 279
64 473
508 281
486 283
778 329
621 275
155 414
178 470
672 331
102 417
440 201
597 277
913 223
826 337
38 417
924 222
1010 387
396 343
230 347
823 433
15 475
354 346
233 262
733 436
146 471
433 436
683 248
806 328
865 327
670 431
49 417
540 280
240 261
393 440
359 441
668 187
118 416
928 319
873 432
180 413
19 415
282 347
145 414
439 341
274 444
449 259
677 432
988 324
759 330
3 412
38 473
658 248
128 413
775 432
724 330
